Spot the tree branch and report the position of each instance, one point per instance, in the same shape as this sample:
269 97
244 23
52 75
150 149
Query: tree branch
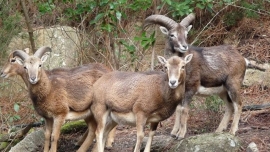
30 30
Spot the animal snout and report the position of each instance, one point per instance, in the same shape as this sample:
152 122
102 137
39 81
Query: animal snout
33 78
185 47
173 82
3 74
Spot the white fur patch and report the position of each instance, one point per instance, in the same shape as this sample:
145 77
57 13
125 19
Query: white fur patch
202 91
211 61
72 115
154 118
124 118
247 62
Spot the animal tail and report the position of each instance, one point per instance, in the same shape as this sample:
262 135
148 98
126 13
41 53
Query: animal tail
252 66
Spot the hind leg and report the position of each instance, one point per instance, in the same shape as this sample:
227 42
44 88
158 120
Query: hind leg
89 135
235 96
228 112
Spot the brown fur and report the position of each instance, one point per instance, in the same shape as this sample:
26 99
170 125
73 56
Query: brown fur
217 66
146 95
59 92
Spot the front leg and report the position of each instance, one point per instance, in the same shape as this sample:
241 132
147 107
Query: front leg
48 131
183 123
182 113
57 123
153 129
176 121
140 123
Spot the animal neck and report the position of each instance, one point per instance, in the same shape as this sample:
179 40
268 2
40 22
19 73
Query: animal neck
23 74
174 95
41 89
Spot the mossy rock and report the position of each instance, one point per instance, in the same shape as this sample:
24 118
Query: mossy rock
73 126
210 142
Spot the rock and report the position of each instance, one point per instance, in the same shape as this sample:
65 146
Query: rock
258 77
62 39
252 147
73 126
212 142
31 143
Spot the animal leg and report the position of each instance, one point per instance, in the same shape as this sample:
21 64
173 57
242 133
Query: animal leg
176 121
183 123
57 123
228 112
82 138
140 123
48 131
153 129
234 94
89 134
110 138
237 113
101 125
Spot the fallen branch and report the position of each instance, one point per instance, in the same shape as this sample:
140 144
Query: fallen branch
15 135
255 107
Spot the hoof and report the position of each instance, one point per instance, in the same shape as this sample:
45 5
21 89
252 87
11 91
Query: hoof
173 136
77 145
109 146
179 138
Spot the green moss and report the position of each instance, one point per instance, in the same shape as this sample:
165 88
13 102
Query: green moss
73 126
3 145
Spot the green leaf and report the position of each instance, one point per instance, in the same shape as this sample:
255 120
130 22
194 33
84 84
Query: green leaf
97 18
118 15
107 27
16 107
199 5
16 117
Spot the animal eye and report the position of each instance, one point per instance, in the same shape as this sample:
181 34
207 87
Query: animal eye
39 65
183 68
12 60
172 36
25 68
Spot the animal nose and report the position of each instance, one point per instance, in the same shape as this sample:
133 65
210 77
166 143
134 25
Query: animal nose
185 47
173 82
32 78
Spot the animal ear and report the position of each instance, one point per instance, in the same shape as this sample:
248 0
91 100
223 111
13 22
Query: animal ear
27 50
189 28
162 60
164 30
188 58
19 60
45 57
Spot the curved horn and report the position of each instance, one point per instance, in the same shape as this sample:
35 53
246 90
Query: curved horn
40 52
187 20
160 20
21 54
